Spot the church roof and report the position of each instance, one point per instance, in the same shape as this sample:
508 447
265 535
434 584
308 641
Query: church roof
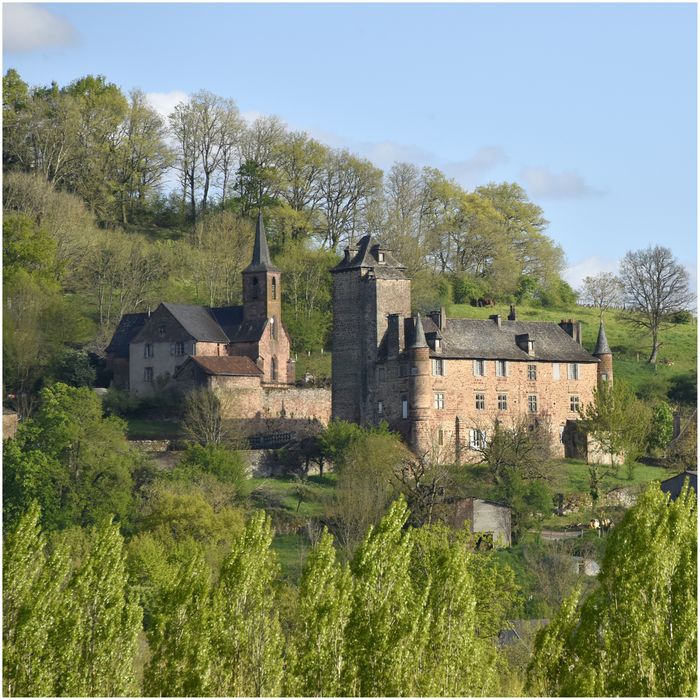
369 253
261 262
125 332
198 321
601 346
231 366
484 339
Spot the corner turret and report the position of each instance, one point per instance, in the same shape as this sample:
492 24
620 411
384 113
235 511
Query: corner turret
420 390
604 354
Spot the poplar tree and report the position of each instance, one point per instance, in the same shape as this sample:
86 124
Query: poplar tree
32 605
320 666
181 660
100 624
637 634
247 636
388 623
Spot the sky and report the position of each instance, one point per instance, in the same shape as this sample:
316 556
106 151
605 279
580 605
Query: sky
592 108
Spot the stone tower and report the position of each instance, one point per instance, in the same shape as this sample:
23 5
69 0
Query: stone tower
262 293
369 286
603 353
420 391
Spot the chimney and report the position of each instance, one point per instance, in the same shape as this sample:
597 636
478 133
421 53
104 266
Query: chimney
511 315
496 319
439 318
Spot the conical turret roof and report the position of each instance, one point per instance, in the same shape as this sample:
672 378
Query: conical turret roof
601 346
419 340
261 261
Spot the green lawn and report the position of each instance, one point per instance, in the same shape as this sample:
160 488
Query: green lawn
317 364
291 550
143 429
284 493
630 346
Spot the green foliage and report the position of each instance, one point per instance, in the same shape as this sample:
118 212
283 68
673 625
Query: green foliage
26 247
319 665
617 420
661 426
67 632
73 367
636 634
246 634
226 465
682 317
388 624
467 289
76 464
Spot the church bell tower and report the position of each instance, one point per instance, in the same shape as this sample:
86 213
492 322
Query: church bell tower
262 292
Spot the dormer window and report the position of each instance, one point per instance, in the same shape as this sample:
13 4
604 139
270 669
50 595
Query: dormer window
380 256
437 343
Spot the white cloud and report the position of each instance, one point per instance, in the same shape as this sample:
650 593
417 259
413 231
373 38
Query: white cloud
251 115
165 102
542 182
470 171
29 27
587 267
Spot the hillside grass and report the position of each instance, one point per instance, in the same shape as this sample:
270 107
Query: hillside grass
630 345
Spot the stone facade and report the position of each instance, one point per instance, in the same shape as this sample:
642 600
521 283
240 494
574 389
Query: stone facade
442 383
10 423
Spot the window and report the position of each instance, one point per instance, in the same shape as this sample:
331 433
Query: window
438 367
555 371
380 408
274 369
574 404
441 436
604 376
532 403
479 368
256 292
403 370
274 288
380 256
148 350
573 371
480 402
177 348
161 331
532 372
437 343
503 402
404 407
414 371
381 374
273 327
501 368
148 374
439 401
477 438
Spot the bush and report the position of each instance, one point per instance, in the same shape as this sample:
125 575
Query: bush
682 317
466 289
226 465
73 367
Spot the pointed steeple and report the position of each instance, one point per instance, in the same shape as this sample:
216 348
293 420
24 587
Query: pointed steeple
261 261
419 341
601 346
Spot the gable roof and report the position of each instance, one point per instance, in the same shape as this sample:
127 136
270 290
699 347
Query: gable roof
230 366
483 339
124 333
198 322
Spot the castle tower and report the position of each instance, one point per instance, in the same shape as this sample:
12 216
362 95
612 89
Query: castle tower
369 285
603 353
420 390
262 292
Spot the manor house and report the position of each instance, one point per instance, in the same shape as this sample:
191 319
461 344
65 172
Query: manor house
242 351
443 383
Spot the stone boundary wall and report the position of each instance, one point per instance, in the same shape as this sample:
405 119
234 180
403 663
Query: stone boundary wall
10 421
151 445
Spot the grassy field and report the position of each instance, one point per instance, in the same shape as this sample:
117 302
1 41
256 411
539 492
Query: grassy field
630 346
143 429
318 364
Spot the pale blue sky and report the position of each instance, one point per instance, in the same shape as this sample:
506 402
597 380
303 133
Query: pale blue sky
590 107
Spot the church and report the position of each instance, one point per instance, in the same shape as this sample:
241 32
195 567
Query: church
244 351
443 382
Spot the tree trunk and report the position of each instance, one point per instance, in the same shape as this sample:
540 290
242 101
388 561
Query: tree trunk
654 348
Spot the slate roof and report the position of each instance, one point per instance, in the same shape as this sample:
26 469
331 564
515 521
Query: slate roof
483 339
419 335
198 322
674 485
230 366
228 317
366 254
601 346
261 262
124 333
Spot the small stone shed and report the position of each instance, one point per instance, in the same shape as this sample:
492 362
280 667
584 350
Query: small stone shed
485 518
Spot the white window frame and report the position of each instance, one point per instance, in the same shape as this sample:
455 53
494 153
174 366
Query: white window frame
502 402
501 368
556 372
530 402
573 371
479 368
480 398
148 374
148 350
439 400
532 373
438 367
477 438
380 408
574 399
